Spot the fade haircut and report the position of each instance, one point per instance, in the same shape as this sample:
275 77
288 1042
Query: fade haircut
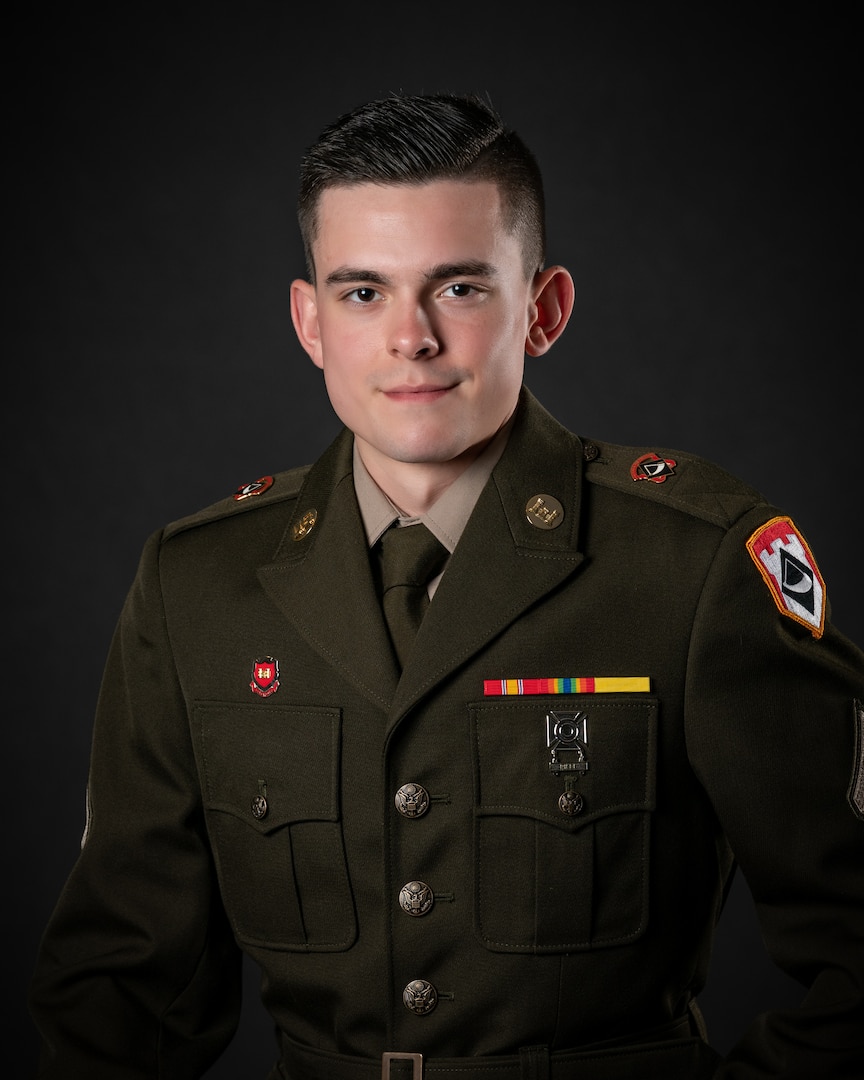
420 139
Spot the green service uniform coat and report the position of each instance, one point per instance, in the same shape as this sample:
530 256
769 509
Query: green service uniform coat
263 778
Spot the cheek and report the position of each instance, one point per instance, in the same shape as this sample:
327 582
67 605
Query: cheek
349 345
343 399
340 382
504 348
505 331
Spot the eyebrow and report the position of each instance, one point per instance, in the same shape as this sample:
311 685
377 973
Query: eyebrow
344 275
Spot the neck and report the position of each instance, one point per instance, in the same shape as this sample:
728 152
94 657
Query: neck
414 486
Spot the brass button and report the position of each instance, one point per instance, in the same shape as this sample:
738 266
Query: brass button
412 800
260 809
420 997
544 512
571 803
416 898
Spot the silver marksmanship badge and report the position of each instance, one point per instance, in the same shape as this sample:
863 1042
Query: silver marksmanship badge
567 739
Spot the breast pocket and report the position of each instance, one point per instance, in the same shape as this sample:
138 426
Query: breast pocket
271 795
563 794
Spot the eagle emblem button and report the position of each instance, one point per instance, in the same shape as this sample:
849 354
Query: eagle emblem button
571 803
420 997
412 800
416 898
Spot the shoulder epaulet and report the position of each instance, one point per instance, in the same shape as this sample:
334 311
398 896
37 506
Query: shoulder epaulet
264 491
684 481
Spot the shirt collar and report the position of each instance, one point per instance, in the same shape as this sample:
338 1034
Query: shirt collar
448 516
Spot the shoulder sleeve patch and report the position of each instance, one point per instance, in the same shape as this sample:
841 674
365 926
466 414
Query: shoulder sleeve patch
786 563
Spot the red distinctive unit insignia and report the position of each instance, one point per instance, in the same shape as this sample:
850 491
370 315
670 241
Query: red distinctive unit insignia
265 677
653 468
257 487
790 572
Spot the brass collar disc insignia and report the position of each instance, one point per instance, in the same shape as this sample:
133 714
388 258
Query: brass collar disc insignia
544 512
305 525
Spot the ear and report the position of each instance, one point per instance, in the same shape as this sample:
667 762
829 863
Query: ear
553 294
304 315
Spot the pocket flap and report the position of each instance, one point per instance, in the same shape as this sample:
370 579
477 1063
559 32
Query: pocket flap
284 755
608 753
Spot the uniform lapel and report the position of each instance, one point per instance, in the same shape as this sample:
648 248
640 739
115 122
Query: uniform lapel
322 580
503 563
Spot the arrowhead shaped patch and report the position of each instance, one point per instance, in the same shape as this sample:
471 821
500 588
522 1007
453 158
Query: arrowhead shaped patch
790 571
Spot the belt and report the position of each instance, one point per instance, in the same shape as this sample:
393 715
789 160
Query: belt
671 1053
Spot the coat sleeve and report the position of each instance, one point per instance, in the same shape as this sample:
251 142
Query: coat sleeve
774 728
138 974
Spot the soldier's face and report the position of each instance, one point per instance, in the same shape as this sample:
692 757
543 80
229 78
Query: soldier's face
419 317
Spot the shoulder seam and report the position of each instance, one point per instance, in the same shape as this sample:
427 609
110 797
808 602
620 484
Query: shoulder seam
286 485
720 500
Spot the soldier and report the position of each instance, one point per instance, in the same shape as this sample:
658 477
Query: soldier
496 845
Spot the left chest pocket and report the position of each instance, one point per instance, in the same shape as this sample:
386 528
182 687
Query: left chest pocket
271 779
564 787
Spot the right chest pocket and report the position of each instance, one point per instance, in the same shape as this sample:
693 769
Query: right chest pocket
562 867
270 780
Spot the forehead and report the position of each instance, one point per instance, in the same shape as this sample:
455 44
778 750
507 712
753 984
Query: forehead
439 221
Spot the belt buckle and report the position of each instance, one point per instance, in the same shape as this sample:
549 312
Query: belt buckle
390 1056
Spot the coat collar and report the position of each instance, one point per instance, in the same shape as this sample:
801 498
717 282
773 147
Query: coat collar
504 562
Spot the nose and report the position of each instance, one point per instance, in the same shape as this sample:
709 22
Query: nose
411 333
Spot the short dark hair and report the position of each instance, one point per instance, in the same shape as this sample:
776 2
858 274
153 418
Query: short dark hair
418 139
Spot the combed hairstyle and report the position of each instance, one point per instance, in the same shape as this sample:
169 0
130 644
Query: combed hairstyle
420 139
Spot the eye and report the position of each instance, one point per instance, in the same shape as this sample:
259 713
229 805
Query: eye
364 294
460 289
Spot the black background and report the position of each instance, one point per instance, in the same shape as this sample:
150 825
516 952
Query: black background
702 182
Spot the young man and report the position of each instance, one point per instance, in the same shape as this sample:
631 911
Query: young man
498 849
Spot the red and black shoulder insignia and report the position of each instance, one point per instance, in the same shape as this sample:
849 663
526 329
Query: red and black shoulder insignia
256 487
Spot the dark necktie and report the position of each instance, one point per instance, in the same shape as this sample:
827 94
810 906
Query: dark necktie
410 557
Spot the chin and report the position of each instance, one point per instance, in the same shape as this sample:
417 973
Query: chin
425 456
416 445
437 453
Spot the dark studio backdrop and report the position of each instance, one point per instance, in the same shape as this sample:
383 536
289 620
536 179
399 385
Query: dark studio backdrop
701 182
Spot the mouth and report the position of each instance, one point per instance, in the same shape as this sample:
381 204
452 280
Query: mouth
419 394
